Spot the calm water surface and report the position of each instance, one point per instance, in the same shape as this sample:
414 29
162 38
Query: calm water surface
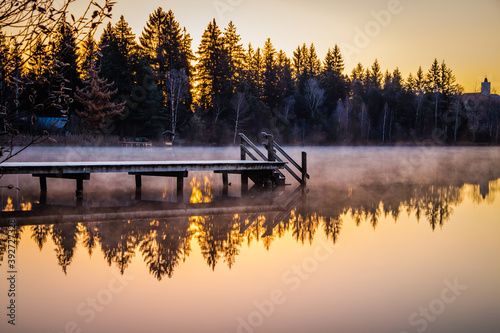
381 240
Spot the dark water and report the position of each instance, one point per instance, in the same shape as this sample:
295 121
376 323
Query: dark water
381 240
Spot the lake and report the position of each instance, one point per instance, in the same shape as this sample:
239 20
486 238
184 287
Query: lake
382 239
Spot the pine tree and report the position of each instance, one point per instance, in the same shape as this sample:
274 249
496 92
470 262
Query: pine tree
374 76
433 78
117 46
448 80
212 71
253 69
152 36
269 75
332 80
433 86
167 48
300 58
313 64
420 80
187 52
284 74
64 50
96 99
235 53
357 73
88 55
39 60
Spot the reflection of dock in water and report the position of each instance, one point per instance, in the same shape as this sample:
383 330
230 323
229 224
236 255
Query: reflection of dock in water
276 204
265 172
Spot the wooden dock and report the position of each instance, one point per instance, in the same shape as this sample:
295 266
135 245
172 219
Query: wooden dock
264 173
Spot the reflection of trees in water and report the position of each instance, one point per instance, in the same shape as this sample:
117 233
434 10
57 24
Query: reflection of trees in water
304 227
40 234
219 237
437 204
4 240
165 244
90 232
118 243
65 238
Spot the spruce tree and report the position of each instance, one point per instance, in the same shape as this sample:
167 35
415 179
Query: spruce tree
313 64
64 50
433 87
165 45
236 55
212 72
332 80
270 78
116 46
358 73
88 55
96 99
39 60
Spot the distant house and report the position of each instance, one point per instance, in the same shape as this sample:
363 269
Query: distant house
483 112
471 100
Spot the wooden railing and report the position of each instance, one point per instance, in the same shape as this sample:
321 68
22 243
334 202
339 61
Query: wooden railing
249 148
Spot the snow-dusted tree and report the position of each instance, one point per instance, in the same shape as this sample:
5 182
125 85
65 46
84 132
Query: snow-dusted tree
96 99
176 90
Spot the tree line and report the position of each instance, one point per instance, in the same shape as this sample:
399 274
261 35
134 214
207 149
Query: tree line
158 86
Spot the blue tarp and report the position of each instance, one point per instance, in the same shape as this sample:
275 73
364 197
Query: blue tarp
51 122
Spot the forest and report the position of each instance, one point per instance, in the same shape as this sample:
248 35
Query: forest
155 86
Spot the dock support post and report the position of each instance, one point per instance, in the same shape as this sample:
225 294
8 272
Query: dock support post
138 182
79 191
79 187
138 187
225 184
43 184
304 168
43 198
180 189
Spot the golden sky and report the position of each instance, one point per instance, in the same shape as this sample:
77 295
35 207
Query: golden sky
399 33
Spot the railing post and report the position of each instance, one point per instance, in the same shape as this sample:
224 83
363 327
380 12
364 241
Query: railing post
244 177
242 151
270 147
304 168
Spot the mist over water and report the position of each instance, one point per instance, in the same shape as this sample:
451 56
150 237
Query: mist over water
380 234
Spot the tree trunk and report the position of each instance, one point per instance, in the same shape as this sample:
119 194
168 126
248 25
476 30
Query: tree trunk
383 125
236 124
436 113
456 123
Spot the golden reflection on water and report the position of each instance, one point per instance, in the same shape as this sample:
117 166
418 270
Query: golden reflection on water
9 207
201 189
165 244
